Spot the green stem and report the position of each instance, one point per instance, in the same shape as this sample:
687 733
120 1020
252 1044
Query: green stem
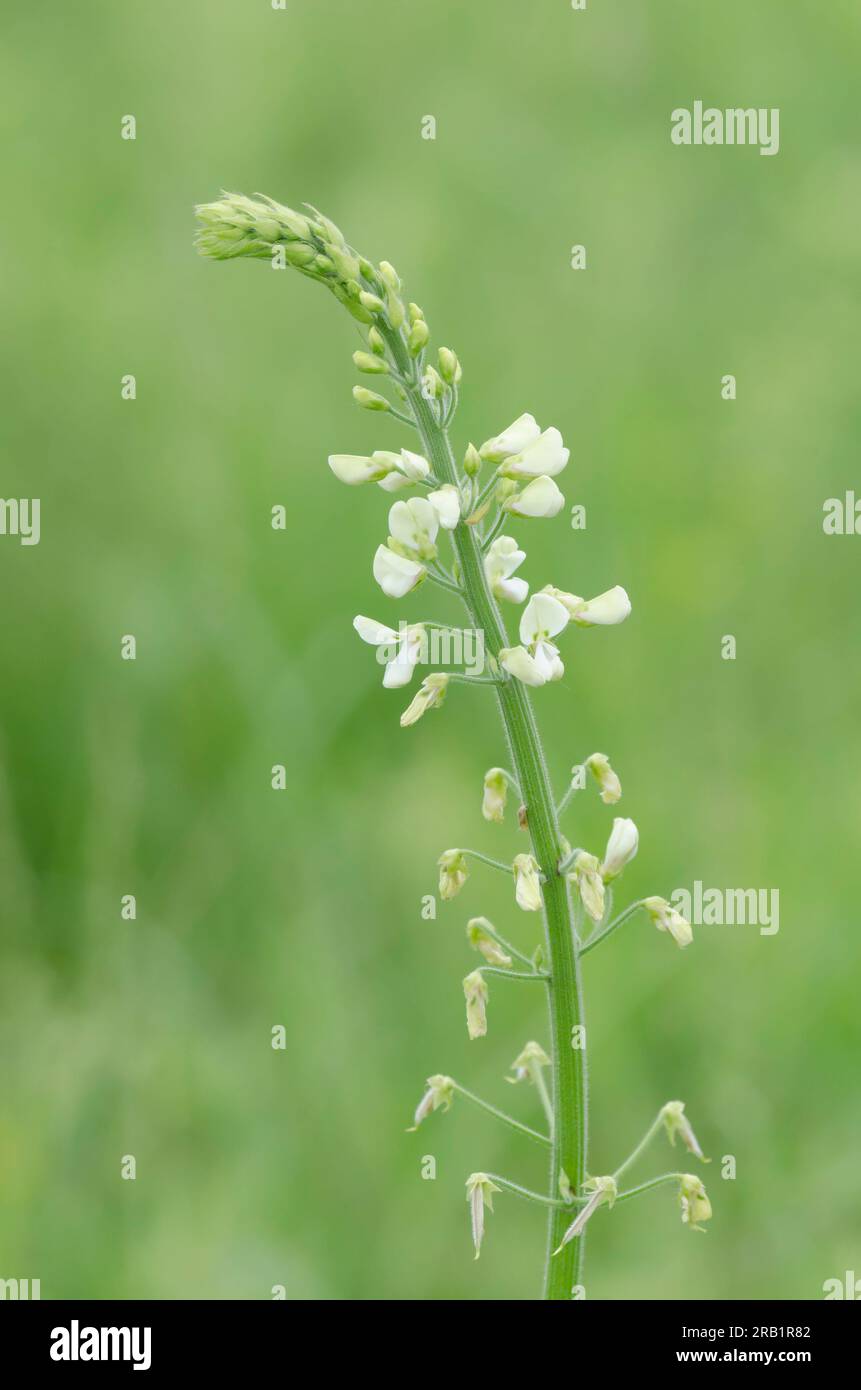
514 974
647 1186
501 1115
608 931
641 1147
525 1192
564 992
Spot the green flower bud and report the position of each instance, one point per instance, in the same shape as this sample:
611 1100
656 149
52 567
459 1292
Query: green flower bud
371 302
433 387
419 336
449 367
415 313
369 400
376 342
472 462
390 276
366 362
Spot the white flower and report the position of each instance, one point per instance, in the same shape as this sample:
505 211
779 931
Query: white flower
354 469
479 1194
395 574
495 794
405 647
676 1122
605 610
518 661
476 993
589 884
453 873
406 469
500 562
611 788
430 695
621 847
542 618
439 1094
514 440
527 883
694 1201
545 456
541 497
665 917
414 525
446 503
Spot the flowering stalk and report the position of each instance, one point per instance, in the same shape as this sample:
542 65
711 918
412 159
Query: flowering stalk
456 503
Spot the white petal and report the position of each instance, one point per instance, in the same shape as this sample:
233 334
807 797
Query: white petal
373 632
511 441
414 466
543 616
413 523
395 575
547 456
514 590
446 503
541 497
518 661
503 558
605 610
354 469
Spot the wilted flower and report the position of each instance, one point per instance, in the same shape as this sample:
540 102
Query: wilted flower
527 883
479 1194
405 645
500 562
621 848
476 993
676 1122
495 794
439 1094
529 1062
587 880
602 1190
453 873
479 936
430 695
666 918
611 788
694 1201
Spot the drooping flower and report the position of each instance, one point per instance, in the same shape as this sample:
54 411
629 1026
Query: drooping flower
694 1201
476 993
479 1194
430 695
542 618
676 1122
439 1095
666 918
453 873
605 610
403 646
529 1062
545 456
514 440
540 498
445 501
527 883
586 877
611 788
621 847
602 1190
500 562
495 794
395 574
478 931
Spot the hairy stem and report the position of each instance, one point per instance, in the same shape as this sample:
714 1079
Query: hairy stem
569 1095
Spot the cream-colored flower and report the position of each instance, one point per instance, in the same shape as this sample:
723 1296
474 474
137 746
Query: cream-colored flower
514 440
611 788
527 883
439 1095
395 574
430 695
545 456
476 993
495 794
478 932
479 1194
529 1063
500 562
401 649
453 873
676 1122
602 1190
621 847
586 877
694 1201
540 498
665 917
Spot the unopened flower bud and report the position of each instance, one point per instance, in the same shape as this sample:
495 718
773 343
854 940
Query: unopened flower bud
472 462
453 873
479 1194
376 342
665 917
415 313
479 934
476 993
694 1201
367 362
449 367
527 883
390 275
369 400
419 337
433 387
495 794
621 847
611 788
371 302
676 1122
439 1094
587 880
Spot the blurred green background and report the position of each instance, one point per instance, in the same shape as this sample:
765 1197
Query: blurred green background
255 908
